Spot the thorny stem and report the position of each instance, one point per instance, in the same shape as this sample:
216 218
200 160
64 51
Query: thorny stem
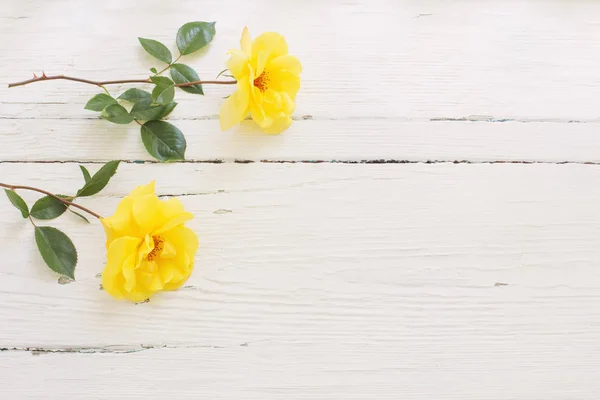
116 82
64 201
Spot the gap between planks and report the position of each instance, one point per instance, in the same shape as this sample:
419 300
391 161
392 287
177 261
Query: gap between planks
360 162
115 349
309 117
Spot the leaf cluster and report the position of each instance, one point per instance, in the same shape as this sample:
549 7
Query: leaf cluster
162 140
56 248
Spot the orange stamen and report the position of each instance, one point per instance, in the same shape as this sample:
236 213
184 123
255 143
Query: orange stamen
262 81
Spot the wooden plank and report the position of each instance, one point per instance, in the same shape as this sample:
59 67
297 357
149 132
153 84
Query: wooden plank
435 59
415 368
412 256
327 280
311 140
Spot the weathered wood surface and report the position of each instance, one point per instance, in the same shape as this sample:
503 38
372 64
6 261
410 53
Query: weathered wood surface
339 279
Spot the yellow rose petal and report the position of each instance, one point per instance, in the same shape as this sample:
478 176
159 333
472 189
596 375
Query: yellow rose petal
238 63
148 246
169 250
119 252
128 269
118 224
273 43
246 42
178 278
287 63
174 222
145 212
166 273
172 207
268 80
235 109
261 61
285 81
278 126
143 190
145 247
150 277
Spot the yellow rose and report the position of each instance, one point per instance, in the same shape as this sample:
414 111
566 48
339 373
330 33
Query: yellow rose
148 247
268 79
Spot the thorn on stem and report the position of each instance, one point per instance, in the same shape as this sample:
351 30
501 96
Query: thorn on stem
34 75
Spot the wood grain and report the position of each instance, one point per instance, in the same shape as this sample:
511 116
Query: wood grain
324 281
372 92
383 58
328 253
312 140
321 279
499 368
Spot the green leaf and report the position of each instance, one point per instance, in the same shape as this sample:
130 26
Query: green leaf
157 50
57 250
80 216
161 80
154 70
18 202
99 180
193 36
86 173
164 91
181 73
99 102
163 141
117 114
48 208
146 110
135 95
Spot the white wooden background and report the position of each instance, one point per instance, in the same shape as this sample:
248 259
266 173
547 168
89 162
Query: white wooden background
472 271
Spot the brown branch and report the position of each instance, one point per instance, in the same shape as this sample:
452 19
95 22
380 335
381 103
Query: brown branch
65 202
69 78
116 82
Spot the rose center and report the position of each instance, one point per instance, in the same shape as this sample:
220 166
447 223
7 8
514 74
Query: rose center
262 81
158 247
